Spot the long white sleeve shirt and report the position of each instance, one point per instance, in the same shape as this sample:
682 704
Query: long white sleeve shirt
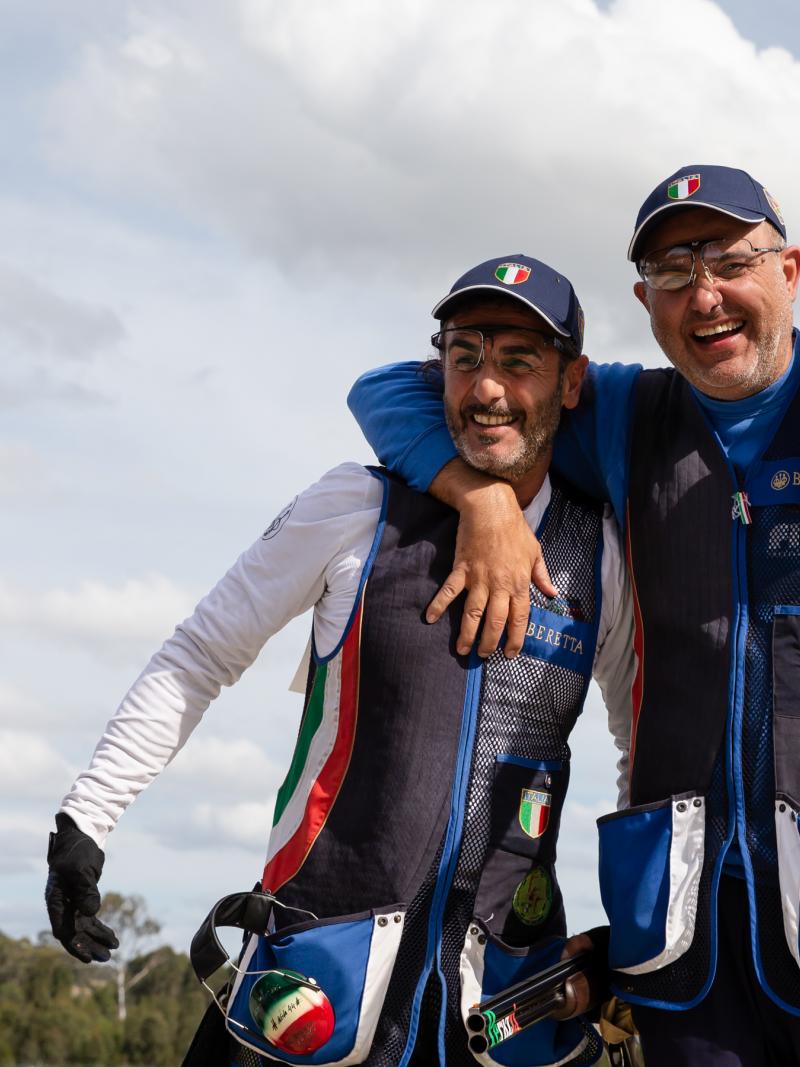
312 554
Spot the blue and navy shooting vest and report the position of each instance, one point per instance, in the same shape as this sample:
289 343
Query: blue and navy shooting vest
418 821
716 731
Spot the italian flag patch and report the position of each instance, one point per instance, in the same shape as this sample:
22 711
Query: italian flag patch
683 187
534 811
512 273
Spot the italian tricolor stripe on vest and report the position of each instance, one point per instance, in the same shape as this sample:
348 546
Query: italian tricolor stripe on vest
320 761
683 187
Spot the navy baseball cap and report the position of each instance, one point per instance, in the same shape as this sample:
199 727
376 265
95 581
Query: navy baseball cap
724 189
533 283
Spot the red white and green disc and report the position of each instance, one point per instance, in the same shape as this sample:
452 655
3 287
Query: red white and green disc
291 1015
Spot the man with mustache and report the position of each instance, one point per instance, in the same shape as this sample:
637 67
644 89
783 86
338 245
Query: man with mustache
414 840
700 875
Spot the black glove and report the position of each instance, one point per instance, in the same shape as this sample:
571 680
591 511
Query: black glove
71 894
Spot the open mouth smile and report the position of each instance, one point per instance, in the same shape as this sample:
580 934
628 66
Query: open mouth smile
717 331
492 420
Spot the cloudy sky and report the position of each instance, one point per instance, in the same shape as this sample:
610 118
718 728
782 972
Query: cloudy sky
214 216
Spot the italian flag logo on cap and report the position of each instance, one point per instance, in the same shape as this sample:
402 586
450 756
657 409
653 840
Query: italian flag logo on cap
512 273
683 187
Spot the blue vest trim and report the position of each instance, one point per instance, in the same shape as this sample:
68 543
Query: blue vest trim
365 572
449 858
535 765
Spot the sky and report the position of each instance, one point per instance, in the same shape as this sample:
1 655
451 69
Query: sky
213 218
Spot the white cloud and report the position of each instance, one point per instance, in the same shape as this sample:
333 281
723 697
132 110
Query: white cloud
220 826
40 320
232 763
30 767
113 619
16 705
409 140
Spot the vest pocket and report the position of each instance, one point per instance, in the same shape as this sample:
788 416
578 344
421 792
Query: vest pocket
787 832
651 860
527 797
488 966
351 959
786 739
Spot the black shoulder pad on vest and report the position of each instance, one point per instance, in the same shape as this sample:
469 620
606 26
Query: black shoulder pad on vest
680 545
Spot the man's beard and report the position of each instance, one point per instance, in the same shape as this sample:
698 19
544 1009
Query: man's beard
761 371
538 428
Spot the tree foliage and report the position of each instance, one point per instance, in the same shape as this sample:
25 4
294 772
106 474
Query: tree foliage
55 1010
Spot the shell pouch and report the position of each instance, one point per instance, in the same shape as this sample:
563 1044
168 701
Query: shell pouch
351 958
489 965
518 896
344 965
786 737
651 860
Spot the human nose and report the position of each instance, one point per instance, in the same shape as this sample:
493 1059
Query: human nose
488 385
704 291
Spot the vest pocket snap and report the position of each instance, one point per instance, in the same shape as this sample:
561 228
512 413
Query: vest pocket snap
349 958
651 860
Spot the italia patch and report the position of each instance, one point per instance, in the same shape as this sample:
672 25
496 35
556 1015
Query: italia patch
684 187
533 897
534 811
512 273
278 522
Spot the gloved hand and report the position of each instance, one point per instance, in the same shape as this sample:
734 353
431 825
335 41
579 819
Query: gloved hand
71 894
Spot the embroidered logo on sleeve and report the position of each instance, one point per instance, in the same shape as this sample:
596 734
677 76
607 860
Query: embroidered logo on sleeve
279 521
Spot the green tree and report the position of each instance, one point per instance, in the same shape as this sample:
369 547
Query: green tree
128 918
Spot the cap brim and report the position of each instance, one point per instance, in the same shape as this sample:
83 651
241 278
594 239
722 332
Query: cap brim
506 292
753 216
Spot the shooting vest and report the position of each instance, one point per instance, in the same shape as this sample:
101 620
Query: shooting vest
716 726
419 817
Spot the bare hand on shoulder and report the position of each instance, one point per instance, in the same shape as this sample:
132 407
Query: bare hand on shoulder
497 557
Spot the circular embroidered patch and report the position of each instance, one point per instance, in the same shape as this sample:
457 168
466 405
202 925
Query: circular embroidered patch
276 524
533 897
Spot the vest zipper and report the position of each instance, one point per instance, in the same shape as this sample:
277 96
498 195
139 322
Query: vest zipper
450 851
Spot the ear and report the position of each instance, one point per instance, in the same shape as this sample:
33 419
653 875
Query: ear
640 292
573 379
790 259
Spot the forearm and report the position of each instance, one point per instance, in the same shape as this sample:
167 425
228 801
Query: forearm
462 488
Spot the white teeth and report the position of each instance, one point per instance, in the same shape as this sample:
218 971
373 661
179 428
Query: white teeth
722 327
492 420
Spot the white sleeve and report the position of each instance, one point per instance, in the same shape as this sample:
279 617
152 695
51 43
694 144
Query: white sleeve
312 554
615 660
